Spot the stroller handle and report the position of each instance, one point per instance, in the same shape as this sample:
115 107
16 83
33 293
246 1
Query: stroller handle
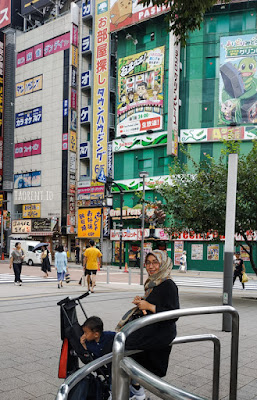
68 299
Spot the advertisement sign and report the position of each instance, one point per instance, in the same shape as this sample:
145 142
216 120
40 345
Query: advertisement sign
140 92
73 101
41 225
75 35
243 254
85 79
139 142
84 150
29 86
29 55
28 179
124 14
1 82
130 185
84 115
86 8
85 45
21 226
28 117
100 93
5 13
73 120
89 223
178 251
74 56
213 252
106 222
38 51
218 134
31 210
73 77
25 149
73 141
197 252
109 160
238 79
65 141
73 162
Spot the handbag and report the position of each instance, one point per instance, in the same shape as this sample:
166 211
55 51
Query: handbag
244 278
67 277
131 315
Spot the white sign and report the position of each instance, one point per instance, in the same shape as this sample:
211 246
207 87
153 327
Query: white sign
136 234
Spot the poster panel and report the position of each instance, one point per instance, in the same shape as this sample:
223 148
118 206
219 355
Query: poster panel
89 222
197 252
31 210
213 252
140 92
126 13
178 250
238 79
243 254
100 92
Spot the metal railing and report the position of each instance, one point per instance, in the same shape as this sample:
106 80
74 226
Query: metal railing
123 370
124 365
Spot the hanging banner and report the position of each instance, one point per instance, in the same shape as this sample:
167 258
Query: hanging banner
140 92
238 79
100 93
89 222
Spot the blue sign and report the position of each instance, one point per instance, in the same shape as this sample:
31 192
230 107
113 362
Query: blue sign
101 177
85 47
27 179
19 120
29 117
73 122
85 79
65 108
37 115
84 150
84 115
86 9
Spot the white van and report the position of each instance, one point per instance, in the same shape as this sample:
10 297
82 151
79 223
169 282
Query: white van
31 257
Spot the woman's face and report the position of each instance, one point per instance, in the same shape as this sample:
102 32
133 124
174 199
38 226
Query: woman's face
152 265
18 246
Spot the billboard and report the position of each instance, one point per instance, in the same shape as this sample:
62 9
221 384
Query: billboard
28 6
238 79
5 13
89 222
29 86
100 92
140 92
129 12
31 210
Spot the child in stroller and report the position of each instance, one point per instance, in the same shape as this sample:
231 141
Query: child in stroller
86 342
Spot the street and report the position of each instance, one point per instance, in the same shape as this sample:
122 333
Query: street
30 337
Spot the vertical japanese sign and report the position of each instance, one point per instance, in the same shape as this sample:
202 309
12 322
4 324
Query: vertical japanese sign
100 96
173 96
5 13
1 104
89 222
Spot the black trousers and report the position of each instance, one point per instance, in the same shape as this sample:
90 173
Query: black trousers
240 276
17 271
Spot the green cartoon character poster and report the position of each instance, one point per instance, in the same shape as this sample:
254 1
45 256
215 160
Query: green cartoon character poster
238 80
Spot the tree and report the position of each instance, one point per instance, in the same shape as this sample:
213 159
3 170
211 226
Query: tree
184 15
197 201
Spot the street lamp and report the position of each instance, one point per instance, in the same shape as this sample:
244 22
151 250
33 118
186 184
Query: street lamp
111 181
142 174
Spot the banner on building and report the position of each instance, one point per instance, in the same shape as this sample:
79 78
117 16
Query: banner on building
26 149
5 13
127 13
89 223
29 86
100 95
27 179
218 134
21 226
238 79
31 210
139 142
140 92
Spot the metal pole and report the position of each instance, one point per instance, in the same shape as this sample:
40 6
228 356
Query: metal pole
108 273
121 226
2 231
229 239
142 238
129 276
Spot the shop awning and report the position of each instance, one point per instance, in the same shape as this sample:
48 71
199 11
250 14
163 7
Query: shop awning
20 235
50 233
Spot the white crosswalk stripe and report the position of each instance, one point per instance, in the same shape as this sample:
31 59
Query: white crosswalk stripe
211 283
9 278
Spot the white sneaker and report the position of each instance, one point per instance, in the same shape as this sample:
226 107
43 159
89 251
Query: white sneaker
17 283
136 394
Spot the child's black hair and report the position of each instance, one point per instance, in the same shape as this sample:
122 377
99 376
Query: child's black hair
95 324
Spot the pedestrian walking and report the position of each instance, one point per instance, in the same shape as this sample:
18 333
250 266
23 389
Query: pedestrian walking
161 294
183 262
90 264
239 269
16 260
46 267
61 265
77 253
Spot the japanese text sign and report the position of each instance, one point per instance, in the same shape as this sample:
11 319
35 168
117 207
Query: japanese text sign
31 210
21 226
89 222
5 13
100 96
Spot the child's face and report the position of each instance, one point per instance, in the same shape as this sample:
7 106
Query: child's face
90 335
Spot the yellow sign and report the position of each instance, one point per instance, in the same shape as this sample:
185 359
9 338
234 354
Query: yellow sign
1 200
75 55
31 210
29 86
73 141
89 222
100 95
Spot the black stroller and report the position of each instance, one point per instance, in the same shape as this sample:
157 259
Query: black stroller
94 386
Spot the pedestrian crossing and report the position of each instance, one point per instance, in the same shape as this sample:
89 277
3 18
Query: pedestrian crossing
212 283
9 278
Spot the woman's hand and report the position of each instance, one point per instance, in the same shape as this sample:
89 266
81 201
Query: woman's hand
143 305
10 266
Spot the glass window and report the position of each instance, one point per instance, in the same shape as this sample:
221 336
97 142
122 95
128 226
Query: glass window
207 112
235 22
163 161
210 67
142 164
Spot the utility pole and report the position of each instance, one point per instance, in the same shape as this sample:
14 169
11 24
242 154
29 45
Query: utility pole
143 175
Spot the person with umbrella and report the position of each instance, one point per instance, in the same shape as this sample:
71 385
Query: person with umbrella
46 267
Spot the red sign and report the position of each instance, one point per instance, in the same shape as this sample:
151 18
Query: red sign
38 51
73 99
150 123
21 59
5 13
36 147
29 55
61 42
49 47
75 35
18 150
235 133
26 149
65 141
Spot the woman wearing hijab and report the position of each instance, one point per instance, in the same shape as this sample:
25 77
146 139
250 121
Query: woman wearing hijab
161 294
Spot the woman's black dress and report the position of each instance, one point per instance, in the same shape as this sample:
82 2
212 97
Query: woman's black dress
155 339
46 266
